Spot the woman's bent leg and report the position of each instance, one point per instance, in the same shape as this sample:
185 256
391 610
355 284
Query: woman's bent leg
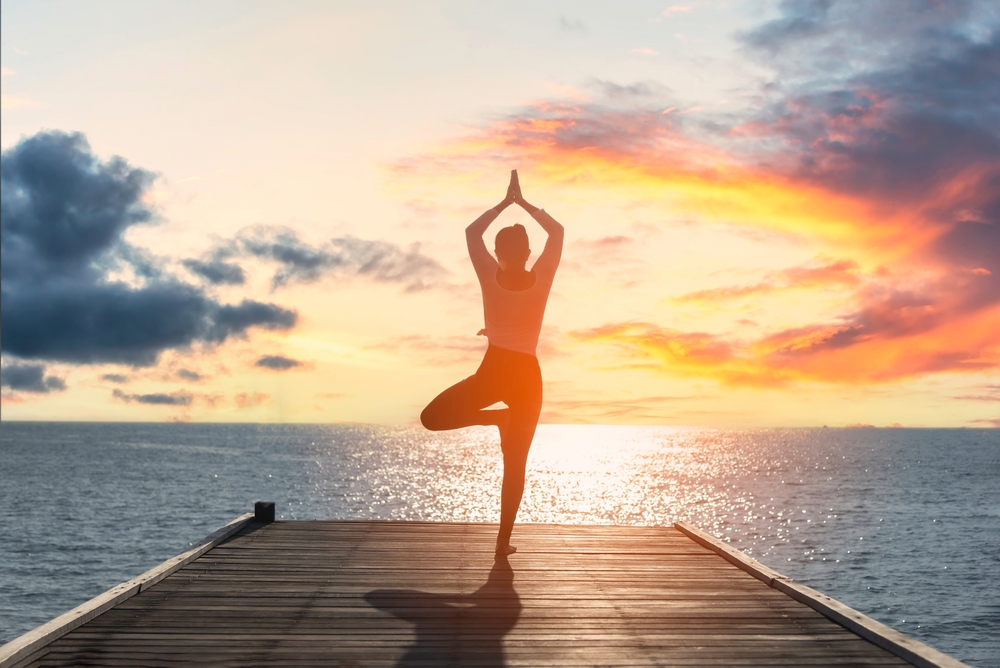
461 405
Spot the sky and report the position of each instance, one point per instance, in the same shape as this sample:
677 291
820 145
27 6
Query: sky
777 213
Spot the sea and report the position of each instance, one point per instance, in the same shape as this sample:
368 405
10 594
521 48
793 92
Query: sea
901 524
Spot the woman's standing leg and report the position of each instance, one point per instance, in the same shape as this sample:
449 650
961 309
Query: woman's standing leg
515 441
523 394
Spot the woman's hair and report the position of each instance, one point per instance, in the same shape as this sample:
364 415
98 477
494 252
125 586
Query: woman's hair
512 242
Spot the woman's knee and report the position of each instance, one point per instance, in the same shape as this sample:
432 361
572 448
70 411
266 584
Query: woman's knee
431 418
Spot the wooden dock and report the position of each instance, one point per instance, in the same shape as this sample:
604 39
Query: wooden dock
332 593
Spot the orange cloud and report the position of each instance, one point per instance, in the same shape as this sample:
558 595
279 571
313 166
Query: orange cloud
840 353
245 400
854 173
646 155
841 272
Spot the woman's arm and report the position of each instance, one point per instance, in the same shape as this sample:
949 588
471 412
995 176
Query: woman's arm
481 258
549 260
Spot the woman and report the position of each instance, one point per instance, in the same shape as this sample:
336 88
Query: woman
514 304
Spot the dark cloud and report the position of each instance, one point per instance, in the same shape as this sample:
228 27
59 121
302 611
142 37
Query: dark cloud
217 271
799 19
62 206
233 319
975 247
897 103
187 374
29 378
895 100
115 378
387 262
113 322
63 215
277 363
300 262
157 398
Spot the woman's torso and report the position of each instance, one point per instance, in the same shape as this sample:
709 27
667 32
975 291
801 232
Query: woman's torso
514 317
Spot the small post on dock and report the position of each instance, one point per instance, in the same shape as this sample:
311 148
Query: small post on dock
263 511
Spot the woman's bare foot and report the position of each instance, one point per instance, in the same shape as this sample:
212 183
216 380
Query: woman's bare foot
505 550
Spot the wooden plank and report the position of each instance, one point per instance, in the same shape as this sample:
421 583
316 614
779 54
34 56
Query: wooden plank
385 593
903 646
13 651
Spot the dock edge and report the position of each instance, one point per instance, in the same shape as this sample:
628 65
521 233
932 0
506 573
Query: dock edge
23 646
888 638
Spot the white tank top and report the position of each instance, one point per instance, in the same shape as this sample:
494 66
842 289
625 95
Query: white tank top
514 317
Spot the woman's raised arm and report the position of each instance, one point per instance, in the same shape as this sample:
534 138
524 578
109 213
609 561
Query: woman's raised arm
548 261
482 261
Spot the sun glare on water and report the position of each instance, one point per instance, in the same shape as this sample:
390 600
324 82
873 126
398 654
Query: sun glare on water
601 474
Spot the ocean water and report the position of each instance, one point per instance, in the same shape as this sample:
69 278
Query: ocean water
901 524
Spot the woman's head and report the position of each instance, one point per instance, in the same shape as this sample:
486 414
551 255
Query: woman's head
512 247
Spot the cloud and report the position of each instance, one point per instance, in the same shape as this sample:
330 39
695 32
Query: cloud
277 363
7 72
800 19
989 393
897 101
876 139
300 262
115 378
838 273
884 343
64 212
29 378
645 51
89 324
62 206
217 271
246 400
187 374
179 398
616 93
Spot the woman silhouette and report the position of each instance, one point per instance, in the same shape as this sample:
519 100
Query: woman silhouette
514 304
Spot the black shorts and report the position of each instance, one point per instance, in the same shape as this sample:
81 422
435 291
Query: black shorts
508 376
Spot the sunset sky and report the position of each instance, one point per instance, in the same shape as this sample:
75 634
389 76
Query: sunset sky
777 213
